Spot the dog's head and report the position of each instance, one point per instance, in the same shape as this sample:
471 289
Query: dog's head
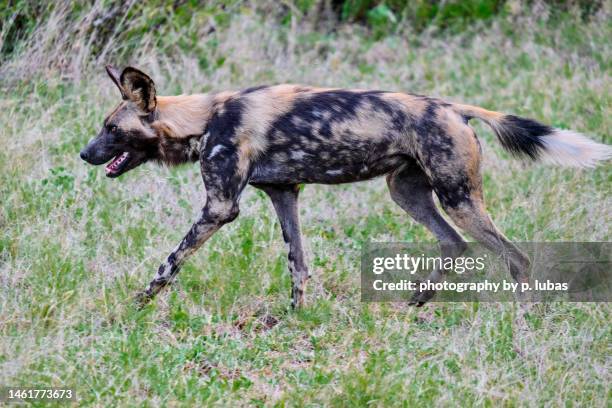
127 136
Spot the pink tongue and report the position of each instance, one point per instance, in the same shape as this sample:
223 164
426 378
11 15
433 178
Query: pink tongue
113 165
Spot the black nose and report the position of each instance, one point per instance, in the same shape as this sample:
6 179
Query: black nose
84 155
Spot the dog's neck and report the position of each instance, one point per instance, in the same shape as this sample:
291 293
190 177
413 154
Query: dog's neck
183 116
180 123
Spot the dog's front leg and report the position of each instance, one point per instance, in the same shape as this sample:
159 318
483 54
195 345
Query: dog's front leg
285 201
214 215
224 182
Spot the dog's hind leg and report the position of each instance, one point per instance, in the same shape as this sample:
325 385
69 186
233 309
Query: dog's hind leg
472 218
457 181
285 201
411 190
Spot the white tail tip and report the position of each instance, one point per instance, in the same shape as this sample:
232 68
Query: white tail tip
571 149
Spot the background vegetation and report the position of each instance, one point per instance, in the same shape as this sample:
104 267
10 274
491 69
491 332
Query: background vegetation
75 246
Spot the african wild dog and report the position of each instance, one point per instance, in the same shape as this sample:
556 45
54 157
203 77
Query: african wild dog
277 137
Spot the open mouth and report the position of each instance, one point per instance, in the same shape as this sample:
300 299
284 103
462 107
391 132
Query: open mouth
119 163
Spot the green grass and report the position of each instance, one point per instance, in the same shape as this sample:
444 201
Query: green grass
75 246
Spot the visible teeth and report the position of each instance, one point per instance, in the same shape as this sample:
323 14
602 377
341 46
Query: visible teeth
117 162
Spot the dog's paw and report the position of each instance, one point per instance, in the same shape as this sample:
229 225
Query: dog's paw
420 297
142 299
297 298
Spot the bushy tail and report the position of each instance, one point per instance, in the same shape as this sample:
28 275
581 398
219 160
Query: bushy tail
526 137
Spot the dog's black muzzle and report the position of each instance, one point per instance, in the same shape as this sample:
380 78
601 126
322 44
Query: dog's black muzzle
99 151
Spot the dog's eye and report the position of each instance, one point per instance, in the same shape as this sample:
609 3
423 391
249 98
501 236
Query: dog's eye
112 129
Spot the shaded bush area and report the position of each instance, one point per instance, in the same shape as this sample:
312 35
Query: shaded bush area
69 35
107 27
444 14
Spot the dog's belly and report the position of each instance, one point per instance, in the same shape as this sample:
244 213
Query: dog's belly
307 168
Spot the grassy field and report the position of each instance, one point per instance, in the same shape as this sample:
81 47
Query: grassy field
75 246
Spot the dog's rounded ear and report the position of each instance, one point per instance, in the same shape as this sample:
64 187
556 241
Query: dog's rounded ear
139 88
114 74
